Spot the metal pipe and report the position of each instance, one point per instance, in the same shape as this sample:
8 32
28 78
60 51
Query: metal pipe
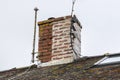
34 36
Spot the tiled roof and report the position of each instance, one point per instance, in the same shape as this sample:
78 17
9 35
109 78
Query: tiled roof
79 70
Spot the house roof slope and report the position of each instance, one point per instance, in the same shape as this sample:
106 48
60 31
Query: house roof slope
81 69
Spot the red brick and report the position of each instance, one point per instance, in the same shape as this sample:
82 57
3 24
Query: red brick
58 51
63 34
46 34
45 42
43 51
44 54
57 45
45 57
45 60
57 32
58 38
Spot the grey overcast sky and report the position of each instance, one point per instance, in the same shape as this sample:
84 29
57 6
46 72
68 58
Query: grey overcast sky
100 20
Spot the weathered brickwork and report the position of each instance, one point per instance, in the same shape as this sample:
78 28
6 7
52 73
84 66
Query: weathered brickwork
45 42
55 41
61 47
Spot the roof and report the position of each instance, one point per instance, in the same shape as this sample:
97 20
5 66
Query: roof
81 69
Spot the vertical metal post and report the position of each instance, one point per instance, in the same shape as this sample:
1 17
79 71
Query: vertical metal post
34 37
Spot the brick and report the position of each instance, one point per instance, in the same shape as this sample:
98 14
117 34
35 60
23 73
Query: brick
57 32
46 34
45 42
42 55
43 51
45 60
44 25
58 51
40 33
67 37
68 31
54 30
44 45
61 54
54 36
67 43
46 37
57 45
43 38
62 34
54 49
67 50
47 27
50 37
47 31
45 57
54 42
48 48
63 40
62 28
54 55
49 43
58 38
63 47
58 25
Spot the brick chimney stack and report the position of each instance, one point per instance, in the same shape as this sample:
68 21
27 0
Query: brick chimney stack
55 40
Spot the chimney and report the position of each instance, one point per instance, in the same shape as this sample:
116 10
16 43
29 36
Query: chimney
59 40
